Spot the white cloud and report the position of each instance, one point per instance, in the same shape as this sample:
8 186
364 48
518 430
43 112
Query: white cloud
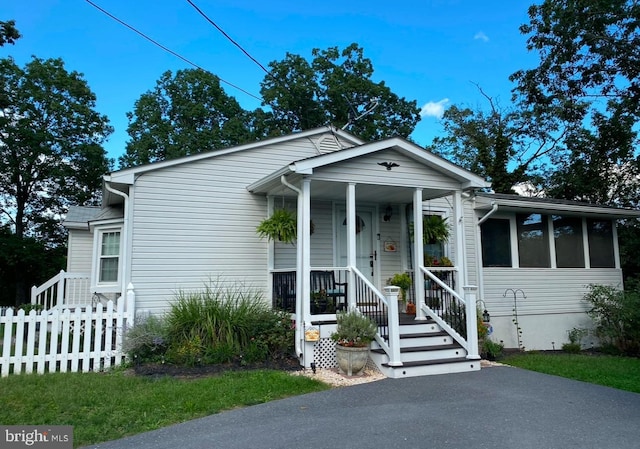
434 108
481 36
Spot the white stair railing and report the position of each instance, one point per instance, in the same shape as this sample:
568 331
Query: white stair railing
63 289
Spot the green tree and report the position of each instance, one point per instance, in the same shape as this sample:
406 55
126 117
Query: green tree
186 114
336 88
506 146
8 32
25 262
589 50
50 148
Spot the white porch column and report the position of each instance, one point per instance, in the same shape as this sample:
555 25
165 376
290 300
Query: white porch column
418 253
460 248
304 245
472 322
351 243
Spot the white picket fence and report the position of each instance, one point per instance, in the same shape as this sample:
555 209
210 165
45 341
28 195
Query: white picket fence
83 339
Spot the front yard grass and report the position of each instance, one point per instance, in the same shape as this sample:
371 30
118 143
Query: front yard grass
622 373
107 406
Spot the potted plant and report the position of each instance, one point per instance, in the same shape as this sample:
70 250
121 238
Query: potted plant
402 280
435 229
353 335
281 226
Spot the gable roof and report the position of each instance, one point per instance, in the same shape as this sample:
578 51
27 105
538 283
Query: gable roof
516 203
306 166
127 175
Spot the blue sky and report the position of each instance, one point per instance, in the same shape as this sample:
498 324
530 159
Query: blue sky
431 51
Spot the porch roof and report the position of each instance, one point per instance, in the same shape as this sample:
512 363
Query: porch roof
381 191
516 203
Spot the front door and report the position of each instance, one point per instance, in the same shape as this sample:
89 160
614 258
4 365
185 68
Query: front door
365 247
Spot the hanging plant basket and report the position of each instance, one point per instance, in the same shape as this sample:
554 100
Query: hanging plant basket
281 226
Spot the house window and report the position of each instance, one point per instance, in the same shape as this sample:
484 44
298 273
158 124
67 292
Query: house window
533 240
496 242
109 257
600 233
567 235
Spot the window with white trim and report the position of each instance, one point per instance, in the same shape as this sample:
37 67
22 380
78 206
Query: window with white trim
109 257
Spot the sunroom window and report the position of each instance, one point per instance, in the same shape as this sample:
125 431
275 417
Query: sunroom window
496 242
600 234
533 240
109 257
567 234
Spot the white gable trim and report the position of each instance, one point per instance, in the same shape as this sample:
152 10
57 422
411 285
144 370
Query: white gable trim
307 166
128 175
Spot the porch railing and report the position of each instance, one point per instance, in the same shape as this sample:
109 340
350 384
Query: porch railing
384 312
328 290
63 289
443 304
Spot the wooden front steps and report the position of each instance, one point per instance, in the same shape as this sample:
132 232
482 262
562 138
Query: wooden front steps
425 349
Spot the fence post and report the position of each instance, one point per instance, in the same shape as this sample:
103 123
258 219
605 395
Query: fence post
131 305
391 293
61 287
472 322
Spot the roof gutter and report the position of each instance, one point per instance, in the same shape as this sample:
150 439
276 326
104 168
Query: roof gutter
479 275
125 237
300 326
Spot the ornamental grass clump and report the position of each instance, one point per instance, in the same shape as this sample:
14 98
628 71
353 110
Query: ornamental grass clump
354 329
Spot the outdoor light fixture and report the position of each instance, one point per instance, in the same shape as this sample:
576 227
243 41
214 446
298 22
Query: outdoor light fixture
486 318
387 213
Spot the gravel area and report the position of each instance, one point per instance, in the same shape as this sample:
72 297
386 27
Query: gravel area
335 378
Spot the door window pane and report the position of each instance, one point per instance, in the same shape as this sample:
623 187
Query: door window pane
496 243
567 234
533 241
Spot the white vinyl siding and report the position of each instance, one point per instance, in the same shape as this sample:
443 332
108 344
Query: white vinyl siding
547 290
196 222
365 170
80 251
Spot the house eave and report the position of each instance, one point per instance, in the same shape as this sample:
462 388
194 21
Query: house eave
550 206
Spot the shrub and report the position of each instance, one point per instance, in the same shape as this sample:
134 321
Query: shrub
223 323
616 314
575 340
491 350
147 340
354 329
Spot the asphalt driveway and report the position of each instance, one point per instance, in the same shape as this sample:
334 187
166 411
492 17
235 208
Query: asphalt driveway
498 407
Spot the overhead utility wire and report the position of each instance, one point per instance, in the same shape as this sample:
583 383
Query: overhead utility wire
227 36
169 50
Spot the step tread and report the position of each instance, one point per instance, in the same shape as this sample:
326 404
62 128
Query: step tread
429 362
422 348
421 335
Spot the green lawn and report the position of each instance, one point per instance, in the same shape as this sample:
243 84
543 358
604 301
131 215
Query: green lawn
617 372
104 407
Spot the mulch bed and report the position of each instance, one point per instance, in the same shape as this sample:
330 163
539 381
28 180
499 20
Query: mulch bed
183 371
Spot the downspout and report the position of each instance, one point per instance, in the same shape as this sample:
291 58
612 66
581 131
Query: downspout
299 315
125 237
485 217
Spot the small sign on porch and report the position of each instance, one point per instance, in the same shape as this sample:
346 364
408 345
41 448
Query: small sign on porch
390 246
312 334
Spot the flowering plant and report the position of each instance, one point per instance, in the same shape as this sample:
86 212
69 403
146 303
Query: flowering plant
430 261
354 329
